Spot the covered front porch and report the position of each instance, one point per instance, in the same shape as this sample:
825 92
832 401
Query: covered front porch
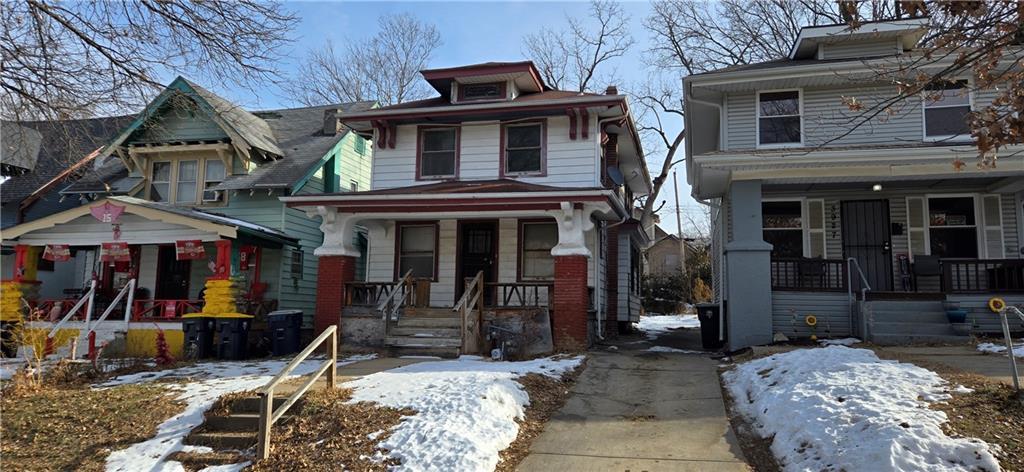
480 265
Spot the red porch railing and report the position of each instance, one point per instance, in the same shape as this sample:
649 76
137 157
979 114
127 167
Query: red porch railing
54 309
164 309
810 275
983 275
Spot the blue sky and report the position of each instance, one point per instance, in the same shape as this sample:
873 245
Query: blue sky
471 32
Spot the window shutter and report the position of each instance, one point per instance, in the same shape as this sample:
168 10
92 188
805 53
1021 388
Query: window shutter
816 227
917 226
993 221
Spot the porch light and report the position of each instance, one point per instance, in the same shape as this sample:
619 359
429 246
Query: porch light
876 188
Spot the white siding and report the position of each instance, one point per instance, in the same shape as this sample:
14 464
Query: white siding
851 49
571 163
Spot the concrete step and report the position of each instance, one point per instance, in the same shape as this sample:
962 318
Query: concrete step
221 440
240 422
426 332
897 328
900 339
427 312
252 404
905 305
410 341
444 352
429 322
909 316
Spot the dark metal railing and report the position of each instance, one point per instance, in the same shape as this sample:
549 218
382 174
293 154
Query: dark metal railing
982 275
367 293
811 275
519 294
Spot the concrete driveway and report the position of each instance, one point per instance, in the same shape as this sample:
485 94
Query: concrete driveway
635 410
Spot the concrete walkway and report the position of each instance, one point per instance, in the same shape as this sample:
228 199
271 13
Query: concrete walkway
634 410
966 358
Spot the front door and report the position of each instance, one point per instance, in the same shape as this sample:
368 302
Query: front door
478 251
172 275
866 238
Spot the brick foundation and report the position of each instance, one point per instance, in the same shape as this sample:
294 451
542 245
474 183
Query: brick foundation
570 303
332 274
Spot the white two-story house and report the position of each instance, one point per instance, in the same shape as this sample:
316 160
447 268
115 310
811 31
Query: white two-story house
869 228
498 198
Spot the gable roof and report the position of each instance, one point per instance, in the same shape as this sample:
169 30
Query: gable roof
58 146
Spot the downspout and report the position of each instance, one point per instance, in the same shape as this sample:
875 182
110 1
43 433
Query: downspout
598 280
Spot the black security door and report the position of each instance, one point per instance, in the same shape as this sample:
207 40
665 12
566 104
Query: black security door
866 238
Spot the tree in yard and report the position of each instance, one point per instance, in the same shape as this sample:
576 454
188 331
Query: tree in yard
384 67
571 59
80 59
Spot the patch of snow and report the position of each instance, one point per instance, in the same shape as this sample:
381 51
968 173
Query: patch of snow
839 342
993 348
226 467
420 357
962 390
202 385
654 326
672 349
838 408
469 405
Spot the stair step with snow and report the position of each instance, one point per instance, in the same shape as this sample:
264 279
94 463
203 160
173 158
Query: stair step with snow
424 332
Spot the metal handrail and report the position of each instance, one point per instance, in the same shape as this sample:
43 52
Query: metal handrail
387 304
1009 343
850 262
268 415
129 288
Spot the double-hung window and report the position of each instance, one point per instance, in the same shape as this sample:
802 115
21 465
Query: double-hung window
536 262
185 192
952 227
160 183
795 228
213 175
523 153
779 119
417 250
438 156
945 111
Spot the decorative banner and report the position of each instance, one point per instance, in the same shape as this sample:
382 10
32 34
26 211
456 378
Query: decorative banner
115 252
57 252
107 212
246 256
189 250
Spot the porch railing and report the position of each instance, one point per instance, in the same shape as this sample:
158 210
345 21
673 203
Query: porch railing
390 306
164 309
805 274
470 310
983 275
367 293
521 294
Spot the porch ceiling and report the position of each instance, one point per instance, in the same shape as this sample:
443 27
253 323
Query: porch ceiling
994 182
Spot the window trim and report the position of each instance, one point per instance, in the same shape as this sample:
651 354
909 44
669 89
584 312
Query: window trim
503 157
224 194
806 232
757 119
521 223
399 226
979 225
419 151
502 91
171 181
969 85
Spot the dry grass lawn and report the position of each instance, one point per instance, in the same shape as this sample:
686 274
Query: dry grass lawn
76 428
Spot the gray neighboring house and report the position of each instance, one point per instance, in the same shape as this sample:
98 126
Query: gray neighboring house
870 230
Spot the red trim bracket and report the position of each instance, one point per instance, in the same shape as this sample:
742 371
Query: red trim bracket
572 123
584 123
382 133
392 134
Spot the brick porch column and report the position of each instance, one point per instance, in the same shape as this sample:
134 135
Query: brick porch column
333 272
570 303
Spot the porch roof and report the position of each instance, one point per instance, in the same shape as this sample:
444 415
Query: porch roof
211 224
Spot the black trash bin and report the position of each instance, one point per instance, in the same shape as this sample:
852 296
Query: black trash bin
8 345
285 331
710 323
199 334
232 340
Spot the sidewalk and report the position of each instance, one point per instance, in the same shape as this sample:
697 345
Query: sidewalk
966 358
637 410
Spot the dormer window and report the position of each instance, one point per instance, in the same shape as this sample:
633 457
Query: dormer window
485 91
779 122
438 152
523 149
945 111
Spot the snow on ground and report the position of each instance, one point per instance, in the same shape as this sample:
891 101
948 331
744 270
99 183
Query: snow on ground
839 342
837 408
466 409
993 348
202 385
657 325
672 349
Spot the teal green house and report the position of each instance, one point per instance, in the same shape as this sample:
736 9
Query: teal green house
195 169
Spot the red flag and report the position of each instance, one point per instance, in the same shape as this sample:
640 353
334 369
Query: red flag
57 252
107 212
189 250
116 251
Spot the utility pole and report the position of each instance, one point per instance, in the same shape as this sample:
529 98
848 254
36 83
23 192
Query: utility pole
679 227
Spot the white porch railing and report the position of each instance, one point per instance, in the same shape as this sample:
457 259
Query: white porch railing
90 333
87 298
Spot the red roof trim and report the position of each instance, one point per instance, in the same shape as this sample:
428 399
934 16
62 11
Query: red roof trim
412 113
484 69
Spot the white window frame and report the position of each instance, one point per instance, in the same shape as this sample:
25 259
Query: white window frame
172 183
202 190
924 115
806 231
171 170
521 276
979 223
757 119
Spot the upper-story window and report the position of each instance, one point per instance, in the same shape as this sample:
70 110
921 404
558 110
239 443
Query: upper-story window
160 184
945 111
487 91
523 152
188 171
438 153
778 118
213 175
